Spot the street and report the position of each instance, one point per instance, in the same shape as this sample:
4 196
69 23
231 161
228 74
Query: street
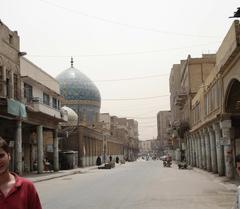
137 185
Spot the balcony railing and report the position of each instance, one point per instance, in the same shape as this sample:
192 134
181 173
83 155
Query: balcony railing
39 106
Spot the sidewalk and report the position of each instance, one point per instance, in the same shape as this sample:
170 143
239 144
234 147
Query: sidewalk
34 177
48 175
229 184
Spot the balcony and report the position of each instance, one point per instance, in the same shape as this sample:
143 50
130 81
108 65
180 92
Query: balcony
36 104
180 98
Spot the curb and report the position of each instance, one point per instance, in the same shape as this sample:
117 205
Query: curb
57 176
46 178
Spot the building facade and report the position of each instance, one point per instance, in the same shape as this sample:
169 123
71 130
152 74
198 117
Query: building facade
80 94
185 80
210 107
94 134
149 147
41 96
213 141
163 125
22 108
12 111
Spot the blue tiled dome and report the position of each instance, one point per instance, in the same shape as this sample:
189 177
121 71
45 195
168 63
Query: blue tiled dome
74 85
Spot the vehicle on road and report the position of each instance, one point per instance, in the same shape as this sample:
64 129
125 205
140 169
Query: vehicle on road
167 163
182 165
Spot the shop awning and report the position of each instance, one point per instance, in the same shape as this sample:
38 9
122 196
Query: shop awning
16 108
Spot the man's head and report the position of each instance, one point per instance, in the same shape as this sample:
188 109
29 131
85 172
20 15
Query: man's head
4 145
4 156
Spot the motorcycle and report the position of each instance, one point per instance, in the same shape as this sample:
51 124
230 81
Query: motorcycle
167 163
182 165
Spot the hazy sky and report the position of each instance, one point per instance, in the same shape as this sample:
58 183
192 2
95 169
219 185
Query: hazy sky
116 40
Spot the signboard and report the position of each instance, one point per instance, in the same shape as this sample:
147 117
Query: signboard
224 141
49 148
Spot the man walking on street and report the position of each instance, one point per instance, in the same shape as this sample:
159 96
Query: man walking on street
15 192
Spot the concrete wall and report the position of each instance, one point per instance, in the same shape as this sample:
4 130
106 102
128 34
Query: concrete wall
228 45
163 122
9 62
36 73
106 119
9 48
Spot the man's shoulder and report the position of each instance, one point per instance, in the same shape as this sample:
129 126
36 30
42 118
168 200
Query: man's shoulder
25 180
22 181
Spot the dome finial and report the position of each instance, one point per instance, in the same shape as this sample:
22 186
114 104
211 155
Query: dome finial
71 62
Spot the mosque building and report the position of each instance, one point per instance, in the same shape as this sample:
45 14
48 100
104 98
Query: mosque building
83 132
80 94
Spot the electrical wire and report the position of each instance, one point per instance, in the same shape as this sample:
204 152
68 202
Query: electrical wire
133 78
118 53
120 79
133 99
124 24
151 117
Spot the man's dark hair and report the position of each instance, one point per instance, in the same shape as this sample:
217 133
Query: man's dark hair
4 145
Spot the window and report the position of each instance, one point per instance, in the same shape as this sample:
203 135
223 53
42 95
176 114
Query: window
54 103
8 87
10 39
15 86
59 104
46 99
9 84
28 92
206 104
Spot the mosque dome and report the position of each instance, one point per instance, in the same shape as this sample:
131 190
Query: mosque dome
72 115
74 85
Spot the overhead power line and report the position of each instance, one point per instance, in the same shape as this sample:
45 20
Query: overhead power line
150 117
121 79
124 24
133 99
118 53
133 78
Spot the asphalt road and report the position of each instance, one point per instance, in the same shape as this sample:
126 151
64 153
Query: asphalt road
138 185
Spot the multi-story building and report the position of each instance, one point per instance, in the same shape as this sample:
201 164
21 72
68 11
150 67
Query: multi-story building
29 104
12 111
209 106
145 147
149 147
185 80
113 141
163 126
213 140
127 130
41 95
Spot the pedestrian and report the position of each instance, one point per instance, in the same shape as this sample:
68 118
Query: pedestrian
15 192
98 161
110 158
117 159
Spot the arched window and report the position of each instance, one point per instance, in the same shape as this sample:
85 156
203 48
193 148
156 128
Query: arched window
232 101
